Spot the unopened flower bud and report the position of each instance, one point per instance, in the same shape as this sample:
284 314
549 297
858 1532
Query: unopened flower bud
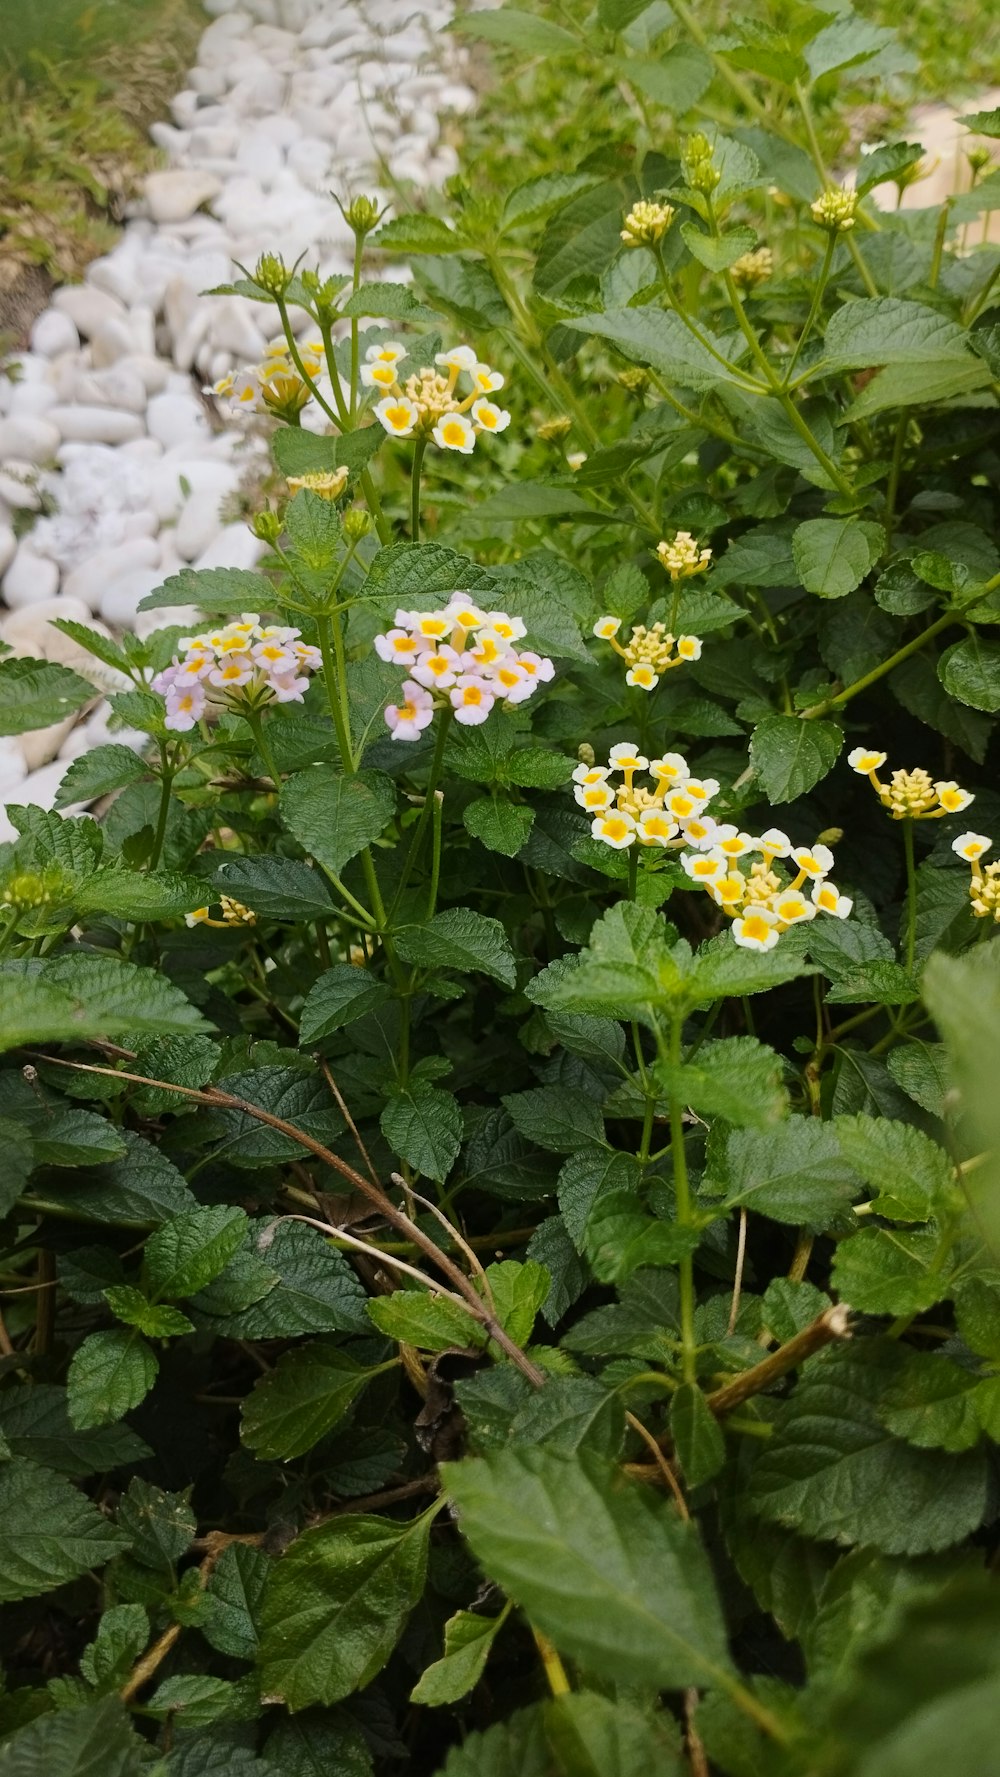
697 162
585 753
362 215
266 526
978 158
836 209
554 429
646 223
752 269
636 380
357 524
272 274
329 484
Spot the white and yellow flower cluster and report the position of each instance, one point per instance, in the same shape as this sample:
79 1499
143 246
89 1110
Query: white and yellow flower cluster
910 795
737 869
683 558
646 223
650 652
429 404
274 385
234 913
984 885
459 657
836 209
249 662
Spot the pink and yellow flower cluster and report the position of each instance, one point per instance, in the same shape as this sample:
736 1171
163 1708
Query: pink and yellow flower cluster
461 658
431 403
246 662
736 868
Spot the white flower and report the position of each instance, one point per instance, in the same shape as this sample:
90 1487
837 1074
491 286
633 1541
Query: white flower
509 629
702 788
704 866
828 899
952 799
817 862
625 757
388 353
590 774
487 381
398 646
643 676
377 376
732 843
792 907
455 432
435 625
471 699
655 828
689 647
459 358
539 667
510 680
464 614
234 672
595 798
757 929
490 418
776 843
197 918
971 846
398 415
184 708
614 829
439 666
671 768
863 760
606 627
700 831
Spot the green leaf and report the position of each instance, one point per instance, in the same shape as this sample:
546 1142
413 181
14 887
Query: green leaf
795 1173
388 301
586 1177
911 1176
136 896
536 198
154 1319
316 1745
140 1191
342 994
463 940
734 1077
93 1741
538 499
885 164
467 1642
432 1323
831 1470
93 995
285 1281
521 30
110 1373
833 555
890 330
918 385
970 671
593 1736
518 1291
232 1601
418 234
698 1439
98 772
932 1403
569 1414
65 1136
313 527
49 1532
600 1565
718 252
721 969
423 1126
556 1117
922 1070
334 817
336 1604
790 756
513 1748
294 1405
499 825
189 1250
37 693
18 1151
276 888
890 1271
229 591
160 1526
35 1423
122 1633
676 79
659 340
298 452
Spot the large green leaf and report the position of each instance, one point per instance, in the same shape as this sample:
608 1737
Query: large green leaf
294 1405
659 340
336 1604
795 1173
463 940
971 672
230 591
110 1373
334 816
890 330
521 30
602 1566
95 1740
342 994
189 1250
833 555
423 1126
50 1532
86 995
791 756
36 693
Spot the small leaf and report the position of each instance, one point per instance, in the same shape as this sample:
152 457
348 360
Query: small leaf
463 940
189 1250
341 995
334 817
790 756
467 1642
110 1373
50 1532
38 693
423 1126
294 1405
718 253
698 1439
431 1323
833 555
500 826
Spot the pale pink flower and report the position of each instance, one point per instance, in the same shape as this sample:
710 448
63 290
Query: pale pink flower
407 720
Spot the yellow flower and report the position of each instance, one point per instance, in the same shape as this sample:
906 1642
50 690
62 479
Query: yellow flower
752 269
327 483
836 209
647 223
757 930
682 558
617 830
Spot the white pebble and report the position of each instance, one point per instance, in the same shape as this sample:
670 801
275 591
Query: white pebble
54 333
34 440
88 581
174 195
96 425
30 578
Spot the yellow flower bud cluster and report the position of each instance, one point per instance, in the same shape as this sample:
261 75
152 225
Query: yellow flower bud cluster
698 163
553 430
647 223
650 652
329 484
683 558
836 209
910 795
984 885
234 913
752 269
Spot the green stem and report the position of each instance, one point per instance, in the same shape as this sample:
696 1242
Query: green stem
633 871
821 168
750 384
166 786
331 644
415 472
359 247
895 470
682 1193
911 895
437 825
878 672
296 357
430 797
256 727
814 307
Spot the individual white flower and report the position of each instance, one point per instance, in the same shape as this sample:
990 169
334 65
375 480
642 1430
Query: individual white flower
863 760
539 668
732 843
437 667
606 627
471 699
459 358
643 676
757 929
681 805
389 351
655 827
952 799
489 649
815 863
700 830
705 866
774 843
464 613
702 788
232 673
486 380
184 708
509 629
510 680
197 917
377 376
595 798
575 459
398 414
624 756
671 768
728 891
689 647
792 907
398 646
971 846
590 774
489 417
455 432
614 829
434 625
827 898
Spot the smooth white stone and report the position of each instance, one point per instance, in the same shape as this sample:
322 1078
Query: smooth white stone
151 371
53 333
89 580
115 273
111 341
29 578
19 485
32 398
13 766
96 425
176 419
233 328
88 308
39 787
120 601
140 524
189 339
114 387
8 547
199 522
33 440
173 195
234 547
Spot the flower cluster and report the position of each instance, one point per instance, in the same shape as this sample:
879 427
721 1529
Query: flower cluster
459 657
234 913
274 385
246 661
328 484
751 269
984 885
698 163
836 209
647 223
910 795
428 404
682 558
736 868
650 652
